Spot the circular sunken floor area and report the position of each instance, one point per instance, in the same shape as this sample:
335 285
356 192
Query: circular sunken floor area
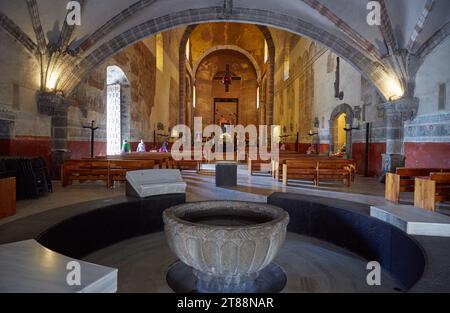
310 265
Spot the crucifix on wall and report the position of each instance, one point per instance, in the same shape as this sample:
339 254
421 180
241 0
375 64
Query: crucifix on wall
226 78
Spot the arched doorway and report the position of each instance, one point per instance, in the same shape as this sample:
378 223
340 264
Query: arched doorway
118 101
340 117
339 134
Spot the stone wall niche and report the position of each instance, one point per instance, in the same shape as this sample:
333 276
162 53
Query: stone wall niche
349 115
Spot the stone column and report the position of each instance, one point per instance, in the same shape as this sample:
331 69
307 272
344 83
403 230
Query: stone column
56 106
397 112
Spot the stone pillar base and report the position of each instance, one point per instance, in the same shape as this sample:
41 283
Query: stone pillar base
390 163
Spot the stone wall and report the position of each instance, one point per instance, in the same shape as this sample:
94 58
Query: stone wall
306 100
427 137
22 130
152 97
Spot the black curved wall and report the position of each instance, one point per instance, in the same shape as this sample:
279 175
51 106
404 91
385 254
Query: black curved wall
348 225
343 223
83 234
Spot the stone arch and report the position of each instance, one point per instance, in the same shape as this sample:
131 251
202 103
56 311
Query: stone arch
271 65
228 47
370 68
349 115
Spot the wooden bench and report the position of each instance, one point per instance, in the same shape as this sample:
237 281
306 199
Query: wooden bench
258 165
100 170
403 180
318 170
300 169
429 191
84 170
277 165
335 170
118 169
187 165
162 160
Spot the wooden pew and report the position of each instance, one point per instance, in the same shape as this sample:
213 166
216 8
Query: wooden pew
162 160
84 170
403 180
187 165
258 165
118 169
430 190
318 169
100 170
335 170
300 169
277 165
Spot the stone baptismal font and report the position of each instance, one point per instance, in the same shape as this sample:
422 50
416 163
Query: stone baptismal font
226 246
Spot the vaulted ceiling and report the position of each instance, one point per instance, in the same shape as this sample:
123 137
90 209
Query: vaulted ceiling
409 27
246 36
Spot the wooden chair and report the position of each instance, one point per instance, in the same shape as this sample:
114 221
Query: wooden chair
429 191
403 180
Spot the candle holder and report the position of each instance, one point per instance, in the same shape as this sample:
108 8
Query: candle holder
349 128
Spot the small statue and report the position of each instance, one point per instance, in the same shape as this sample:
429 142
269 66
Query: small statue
126 148
141 146
164 148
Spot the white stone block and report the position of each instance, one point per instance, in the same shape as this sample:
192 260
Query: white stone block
148 183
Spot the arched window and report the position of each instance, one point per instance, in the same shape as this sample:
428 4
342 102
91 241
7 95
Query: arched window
286 66
266 51
160 52
188 50
117 84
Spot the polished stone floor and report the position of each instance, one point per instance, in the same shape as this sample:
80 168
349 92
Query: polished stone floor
310 265
201 187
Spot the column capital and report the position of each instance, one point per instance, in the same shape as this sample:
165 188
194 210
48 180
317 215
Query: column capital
51 103
406 106
6 113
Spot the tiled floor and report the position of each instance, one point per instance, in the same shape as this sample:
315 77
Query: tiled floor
202 187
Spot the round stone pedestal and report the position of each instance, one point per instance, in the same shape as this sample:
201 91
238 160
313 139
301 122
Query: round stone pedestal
184 279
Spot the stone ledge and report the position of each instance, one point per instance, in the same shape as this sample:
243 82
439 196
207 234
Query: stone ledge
413 221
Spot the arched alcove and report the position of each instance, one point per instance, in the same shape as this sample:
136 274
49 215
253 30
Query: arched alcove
341 109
